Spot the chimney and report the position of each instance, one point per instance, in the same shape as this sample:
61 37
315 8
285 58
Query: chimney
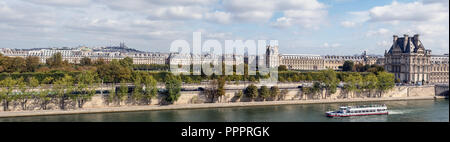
395 38
416 37
406 40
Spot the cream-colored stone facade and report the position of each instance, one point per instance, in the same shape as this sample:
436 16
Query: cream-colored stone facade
75 55
302 62
413 64
272 58
317 62
439 69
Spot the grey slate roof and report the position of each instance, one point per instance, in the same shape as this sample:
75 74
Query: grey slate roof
411 46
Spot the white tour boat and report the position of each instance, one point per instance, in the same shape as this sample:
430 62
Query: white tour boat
359 111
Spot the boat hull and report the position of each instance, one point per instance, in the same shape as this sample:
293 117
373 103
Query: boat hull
361 114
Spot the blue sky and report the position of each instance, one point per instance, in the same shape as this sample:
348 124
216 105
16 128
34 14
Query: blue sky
338 27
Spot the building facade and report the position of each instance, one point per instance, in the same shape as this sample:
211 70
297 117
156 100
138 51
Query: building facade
302 62
409 60
272 58
74 55
317 62
439 69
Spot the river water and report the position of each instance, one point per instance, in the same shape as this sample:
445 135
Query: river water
400 111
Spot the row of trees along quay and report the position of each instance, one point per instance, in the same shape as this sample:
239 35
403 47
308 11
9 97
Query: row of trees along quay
66 84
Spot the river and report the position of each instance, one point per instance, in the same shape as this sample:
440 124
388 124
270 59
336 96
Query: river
400 111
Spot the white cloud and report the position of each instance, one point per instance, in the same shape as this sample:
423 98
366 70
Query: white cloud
219 17
385 44
178 12
162 9
304 18
334 45
445 2
415 11
282 22
36 21
379 32
348 24
429 18
70 3
307 14
303 13
253 16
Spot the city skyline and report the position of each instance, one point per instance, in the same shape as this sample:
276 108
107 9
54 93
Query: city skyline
324 27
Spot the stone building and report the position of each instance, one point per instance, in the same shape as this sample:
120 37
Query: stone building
74 55
317 62
302 62
272 57
439 69
409 60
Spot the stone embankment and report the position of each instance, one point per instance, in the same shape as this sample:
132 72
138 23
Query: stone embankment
197 99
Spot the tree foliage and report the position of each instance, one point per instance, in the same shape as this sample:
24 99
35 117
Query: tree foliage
264 93
348 66
274 92
173 88
251 91
385 81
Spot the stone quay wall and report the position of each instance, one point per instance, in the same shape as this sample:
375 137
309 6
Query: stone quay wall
198 97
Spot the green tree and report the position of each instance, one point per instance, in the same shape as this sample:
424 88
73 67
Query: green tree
330 81
385 81
282 68
137 93
221 87
47 80
85 61
211 90
370 83
33 82
24 95
55 61
112 94
251 91
352 82
114 71
151 90
32 63
122 94
264 93
173 88
63 89
6 92
274 92
126 62
348 66
305 91
44 97
99 62
85 88
316 89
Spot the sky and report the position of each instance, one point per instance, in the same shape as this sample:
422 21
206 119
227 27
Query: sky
323 27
